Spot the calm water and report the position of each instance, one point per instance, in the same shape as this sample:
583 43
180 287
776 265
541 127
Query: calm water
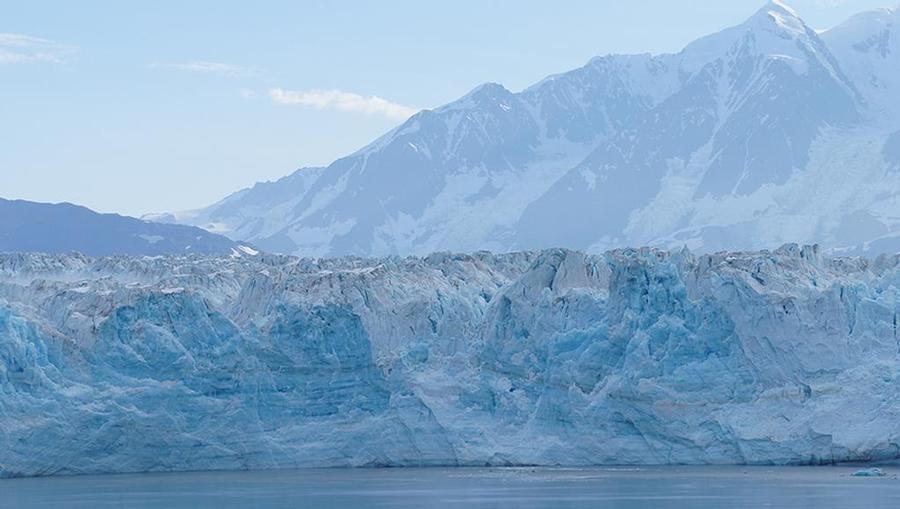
732 488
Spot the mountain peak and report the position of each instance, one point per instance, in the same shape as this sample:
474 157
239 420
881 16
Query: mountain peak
780 7
489 91
775 30
862 26
482 95
784 16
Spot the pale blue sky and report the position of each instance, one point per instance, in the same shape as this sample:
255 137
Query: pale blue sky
170 105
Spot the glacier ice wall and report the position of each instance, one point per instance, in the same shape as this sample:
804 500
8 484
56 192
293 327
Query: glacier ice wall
552 358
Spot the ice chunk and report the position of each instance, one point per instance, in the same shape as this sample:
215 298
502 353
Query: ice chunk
869 472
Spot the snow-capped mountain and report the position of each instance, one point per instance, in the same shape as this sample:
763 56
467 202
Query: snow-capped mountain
65 228
131 364
867 46
764 133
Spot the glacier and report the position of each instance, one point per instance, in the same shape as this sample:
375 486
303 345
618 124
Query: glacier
550 357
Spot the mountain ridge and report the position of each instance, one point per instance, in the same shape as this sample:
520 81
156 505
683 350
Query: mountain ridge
65 227
712 147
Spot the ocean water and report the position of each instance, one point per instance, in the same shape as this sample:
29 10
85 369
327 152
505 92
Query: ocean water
470 488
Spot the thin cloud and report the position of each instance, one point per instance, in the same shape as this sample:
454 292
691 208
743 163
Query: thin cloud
23 49
342 101
203 66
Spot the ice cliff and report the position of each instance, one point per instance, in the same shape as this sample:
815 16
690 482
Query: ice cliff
553 357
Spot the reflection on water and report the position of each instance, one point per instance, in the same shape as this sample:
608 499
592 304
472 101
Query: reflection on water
670 487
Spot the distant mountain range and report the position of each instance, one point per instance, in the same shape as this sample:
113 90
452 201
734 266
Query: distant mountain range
765 133
65 228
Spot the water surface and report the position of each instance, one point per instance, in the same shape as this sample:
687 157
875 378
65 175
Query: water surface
471 488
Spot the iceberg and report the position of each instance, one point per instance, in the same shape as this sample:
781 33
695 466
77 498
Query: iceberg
869 472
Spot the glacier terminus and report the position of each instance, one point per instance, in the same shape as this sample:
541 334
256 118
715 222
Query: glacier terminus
552 357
